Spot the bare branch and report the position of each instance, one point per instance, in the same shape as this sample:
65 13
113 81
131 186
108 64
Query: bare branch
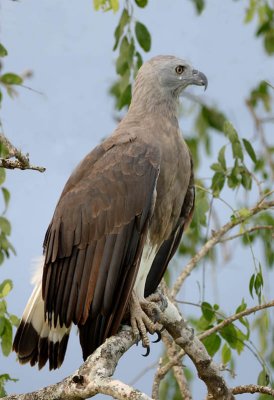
20 161
184 336
253 389
250 230
216 238
93 376
172 351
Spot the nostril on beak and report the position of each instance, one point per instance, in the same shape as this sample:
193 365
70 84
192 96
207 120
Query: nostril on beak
195 72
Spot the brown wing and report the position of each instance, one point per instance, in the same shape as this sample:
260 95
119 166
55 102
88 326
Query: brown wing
169 247
93 244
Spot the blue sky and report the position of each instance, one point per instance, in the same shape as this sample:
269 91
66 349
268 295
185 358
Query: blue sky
68 46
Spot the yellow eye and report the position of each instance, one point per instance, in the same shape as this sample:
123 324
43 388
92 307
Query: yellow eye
180 69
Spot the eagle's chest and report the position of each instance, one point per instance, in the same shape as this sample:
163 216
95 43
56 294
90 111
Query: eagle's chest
171 189
170 193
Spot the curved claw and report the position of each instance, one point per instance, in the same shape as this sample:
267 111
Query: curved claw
159 336
147 351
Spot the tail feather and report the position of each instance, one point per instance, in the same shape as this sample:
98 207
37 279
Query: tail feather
35 340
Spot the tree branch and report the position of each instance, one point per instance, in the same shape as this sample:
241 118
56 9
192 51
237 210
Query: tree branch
216 238
93 376
176 359
253 389
20 161
250 230
184 336
234 317
172 351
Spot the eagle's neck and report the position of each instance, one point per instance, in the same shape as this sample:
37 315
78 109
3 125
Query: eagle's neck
150 98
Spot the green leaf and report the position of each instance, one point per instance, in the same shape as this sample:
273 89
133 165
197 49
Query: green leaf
2 325
141 3
261 93
2 175
4 152
114 5
229 333
269 42
250 12
214 118
251 285
6 338
5 288
263 378
139 60
241 307
5 226
14 320
11 79
217 167
218 182
221 157
230 132
125 97
124 20
6 196
258 285
201 208
207 311
3 307
226 354
212 344
246 179
143 36
124 60
237 150
250 151
3 51
200 5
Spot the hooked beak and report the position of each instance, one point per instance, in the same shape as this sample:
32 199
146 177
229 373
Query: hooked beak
198 78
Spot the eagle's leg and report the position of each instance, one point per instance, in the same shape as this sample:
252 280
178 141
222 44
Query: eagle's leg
144 314
140 322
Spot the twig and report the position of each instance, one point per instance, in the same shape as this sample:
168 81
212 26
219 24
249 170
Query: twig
259 127
20 161
142 373
254 228
163 370
216 238
172 351
235 317
253 389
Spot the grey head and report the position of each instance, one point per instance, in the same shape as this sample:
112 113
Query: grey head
162 79
175 74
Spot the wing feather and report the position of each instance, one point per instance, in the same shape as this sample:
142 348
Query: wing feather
94 242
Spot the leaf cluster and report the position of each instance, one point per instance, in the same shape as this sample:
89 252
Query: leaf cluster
9 79
129 34
264 13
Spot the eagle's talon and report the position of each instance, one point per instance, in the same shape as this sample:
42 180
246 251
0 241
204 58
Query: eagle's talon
147 351
159 336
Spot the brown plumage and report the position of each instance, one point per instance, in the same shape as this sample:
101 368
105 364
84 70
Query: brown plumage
117 224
